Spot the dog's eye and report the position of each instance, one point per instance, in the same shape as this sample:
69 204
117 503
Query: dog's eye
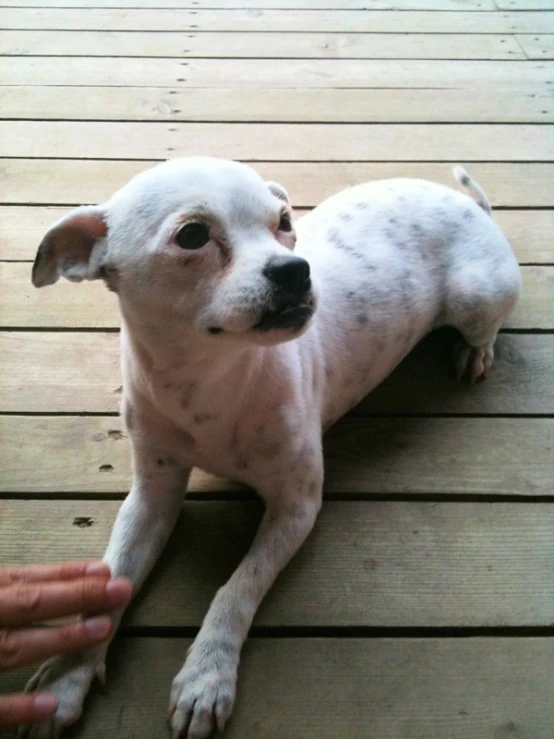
193 236
284 223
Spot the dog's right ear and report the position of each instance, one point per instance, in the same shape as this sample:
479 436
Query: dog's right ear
73 248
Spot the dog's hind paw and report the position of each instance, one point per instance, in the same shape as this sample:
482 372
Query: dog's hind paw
472 362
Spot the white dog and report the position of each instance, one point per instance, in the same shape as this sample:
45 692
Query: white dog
228 365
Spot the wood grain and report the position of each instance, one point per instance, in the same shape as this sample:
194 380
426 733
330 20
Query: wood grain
408 564
443 5
378 21
89 305
534 104
441 456
79 372
262 45
537 46
332 688
277 73
43 181
520 382
287 142
530 232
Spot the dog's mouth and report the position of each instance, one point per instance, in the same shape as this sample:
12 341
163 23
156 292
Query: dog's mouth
291 317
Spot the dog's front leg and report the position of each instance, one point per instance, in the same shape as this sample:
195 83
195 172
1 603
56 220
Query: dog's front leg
142 527
203 692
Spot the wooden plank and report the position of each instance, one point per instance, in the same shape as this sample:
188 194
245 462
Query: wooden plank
537 47
443 456
79 372
523 371
509 4
443 5
287 142
278 105
278 73
360 688
531 232
73 182
89 306
262 45
378 21
409 564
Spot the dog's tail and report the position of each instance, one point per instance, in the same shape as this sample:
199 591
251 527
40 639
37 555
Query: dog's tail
473 188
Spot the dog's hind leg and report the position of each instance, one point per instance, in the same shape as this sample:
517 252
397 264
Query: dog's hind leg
478 308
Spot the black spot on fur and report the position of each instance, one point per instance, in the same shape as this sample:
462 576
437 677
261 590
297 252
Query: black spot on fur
203 417
345 217
468 215
166 462
361 318
186 397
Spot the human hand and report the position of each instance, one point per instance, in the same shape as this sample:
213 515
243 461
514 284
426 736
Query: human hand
40 592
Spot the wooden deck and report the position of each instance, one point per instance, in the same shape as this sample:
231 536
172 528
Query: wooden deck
422 606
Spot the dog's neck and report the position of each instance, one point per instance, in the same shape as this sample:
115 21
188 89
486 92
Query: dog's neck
177 352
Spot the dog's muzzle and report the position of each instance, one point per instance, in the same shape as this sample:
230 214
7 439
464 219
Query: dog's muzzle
292 301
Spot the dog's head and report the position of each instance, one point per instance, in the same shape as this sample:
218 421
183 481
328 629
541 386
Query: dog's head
204 243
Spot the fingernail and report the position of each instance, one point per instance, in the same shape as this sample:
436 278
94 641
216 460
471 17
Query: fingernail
98 626
118 591
97 568
45 704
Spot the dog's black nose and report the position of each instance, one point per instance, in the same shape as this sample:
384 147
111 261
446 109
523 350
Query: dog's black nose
291 273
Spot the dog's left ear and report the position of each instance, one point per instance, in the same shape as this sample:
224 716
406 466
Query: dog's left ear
73 248
279 191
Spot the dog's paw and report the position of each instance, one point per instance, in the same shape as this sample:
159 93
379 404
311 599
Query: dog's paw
202 694
472 362
69 678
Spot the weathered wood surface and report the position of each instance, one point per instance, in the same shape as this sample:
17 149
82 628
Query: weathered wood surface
534 104
363 456
394 564
91 306
263 45
278 73
287 142
334 688
443 5
79 372
530 232
44 181
378 21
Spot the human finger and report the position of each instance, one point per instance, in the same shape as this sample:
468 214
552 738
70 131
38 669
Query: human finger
26 708
28 603
20 647
42 573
